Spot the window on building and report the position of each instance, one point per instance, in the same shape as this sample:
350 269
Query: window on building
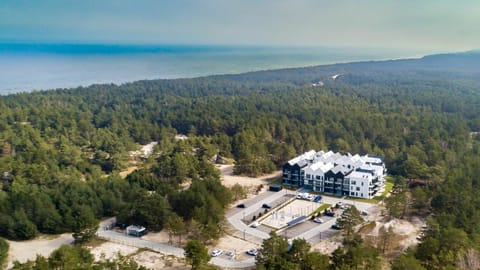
361 194
352 193
308 176
358 188
317 177
351 187
362 184
354 182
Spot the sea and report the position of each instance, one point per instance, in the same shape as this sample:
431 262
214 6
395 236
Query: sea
33 67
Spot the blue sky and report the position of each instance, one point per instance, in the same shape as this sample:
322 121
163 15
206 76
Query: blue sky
436 25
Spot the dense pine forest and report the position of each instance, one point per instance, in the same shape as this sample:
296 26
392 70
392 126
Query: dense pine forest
62 150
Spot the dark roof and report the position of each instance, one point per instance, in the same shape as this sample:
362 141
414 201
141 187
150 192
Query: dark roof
365 171
297 221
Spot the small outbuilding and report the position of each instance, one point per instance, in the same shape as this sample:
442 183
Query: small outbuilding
134 230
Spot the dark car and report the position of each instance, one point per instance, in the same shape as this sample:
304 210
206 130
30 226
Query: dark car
241 205
336 227
329 213
317 198
267 206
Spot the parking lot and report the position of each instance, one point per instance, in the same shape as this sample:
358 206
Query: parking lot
279 217
242 218
262 210
292 232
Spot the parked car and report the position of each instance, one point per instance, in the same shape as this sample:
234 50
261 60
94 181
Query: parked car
230 254
267 206
318 220
317 198
255 224
216 252
241 205
305 196
336 227
252 252
329 213
364 213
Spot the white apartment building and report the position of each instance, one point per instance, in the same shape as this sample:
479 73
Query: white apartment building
335 173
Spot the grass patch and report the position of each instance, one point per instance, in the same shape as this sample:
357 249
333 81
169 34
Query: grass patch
321 208
275 180
367 227
229 161
388 189
95 242
374 200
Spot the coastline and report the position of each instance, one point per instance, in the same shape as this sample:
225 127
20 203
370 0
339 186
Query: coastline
28 68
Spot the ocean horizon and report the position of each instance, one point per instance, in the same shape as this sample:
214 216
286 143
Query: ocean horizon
32 67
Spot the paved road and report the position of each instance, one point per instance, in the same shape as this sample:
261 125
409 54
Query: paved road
124 239
234 217
254 234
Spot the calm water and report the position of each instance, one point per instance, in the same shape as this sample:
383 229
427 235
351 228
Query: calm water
26 67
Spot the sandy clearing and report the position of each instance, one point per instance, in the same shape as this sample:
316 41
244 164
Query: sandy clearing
181 137
128 171
406 231
23 251
149 259
145 151
158 261
409 230
328 246
109 250
229 179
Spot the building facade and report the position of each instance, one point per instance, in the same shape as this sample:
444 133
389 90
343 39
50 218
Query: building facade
334 173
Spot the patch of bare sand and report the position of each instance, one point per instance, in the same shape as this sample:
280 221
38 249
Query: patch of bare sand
408 230
127 171
229 179
109 250
23 251
158 261
328 246
149 259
